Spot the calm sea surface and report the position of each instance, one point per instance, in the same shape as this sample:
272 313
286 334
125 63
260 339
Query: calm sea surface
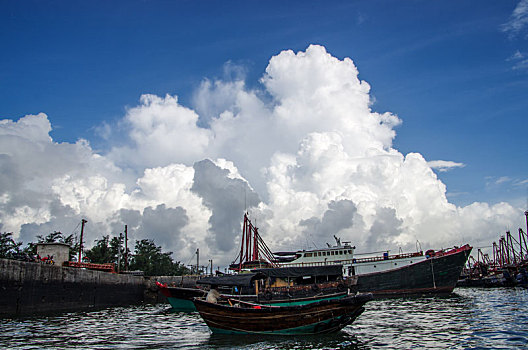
470 318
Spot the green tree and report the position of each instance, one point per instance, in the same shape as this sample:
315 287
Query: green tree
108 250
101 252
153 262
9 249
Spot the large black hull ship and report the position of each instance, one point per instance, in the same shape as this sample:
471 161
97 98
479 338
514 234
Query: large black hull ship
434 275
403 274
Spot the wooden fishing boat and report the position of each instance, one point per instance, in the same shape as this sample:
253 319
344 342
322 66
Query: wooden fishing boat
278 286
238 317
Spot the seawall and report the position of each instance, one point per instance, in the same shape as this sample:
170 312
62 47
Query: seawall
28 288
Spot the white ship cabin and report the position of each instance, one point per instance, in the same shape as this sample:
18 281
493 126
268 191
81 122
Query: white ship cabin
344 255
332 255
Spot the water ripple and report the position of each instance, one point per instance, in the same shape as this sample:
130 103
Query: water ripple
470 318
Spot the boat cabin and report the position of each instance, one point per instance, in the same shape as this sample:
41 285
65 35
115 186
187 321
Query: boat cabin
277 281
338 255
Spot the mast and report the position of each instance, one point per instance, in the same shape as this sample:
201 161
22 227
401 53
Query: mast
242 242
255 245
197 261
81 242
526 214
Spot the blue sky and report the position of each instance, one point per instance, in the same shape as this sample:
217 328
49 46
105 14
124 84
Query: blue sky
454 72
445 68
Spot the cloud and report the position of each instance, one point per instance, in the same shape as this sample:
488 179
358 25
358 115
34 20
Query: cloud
304 152
502 179
164 224
161 132
520 62
339 216
444 165
518 19
385 228
521 182
224 196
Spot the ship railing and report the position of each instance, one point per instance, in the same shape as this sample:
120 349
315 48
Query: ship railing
356 260
318 263
388 257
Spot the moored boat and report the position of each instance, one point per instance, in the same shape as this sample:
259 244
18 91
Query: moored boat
180 298
405 274
238 317
277 286
436 274
383 275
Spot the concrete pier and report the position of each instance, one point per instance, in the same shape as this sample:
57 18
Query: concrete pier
28 288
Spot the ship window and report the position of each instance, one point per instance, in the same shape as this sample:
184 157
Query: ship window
340 252
332 253
318 253
308 255
374 266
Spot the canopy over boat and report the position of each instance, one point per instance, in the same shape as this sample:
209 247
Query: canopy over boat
246 279
294 272
240 280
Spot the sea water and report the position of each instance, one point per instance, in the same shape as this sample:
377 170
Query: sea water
470 318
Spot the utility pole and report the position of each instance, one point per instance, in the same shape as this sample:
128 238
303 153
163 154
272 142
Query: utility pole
119 251
126 249
81 242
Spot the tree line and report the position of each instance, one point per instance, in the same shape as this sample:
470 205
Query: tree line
147 256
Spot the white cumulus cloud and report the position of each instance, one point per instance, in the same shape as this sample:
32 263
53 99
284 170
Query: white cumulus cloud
304 153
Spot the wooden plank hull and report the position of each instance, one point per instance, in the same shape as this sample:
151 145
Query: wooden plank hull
320 317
